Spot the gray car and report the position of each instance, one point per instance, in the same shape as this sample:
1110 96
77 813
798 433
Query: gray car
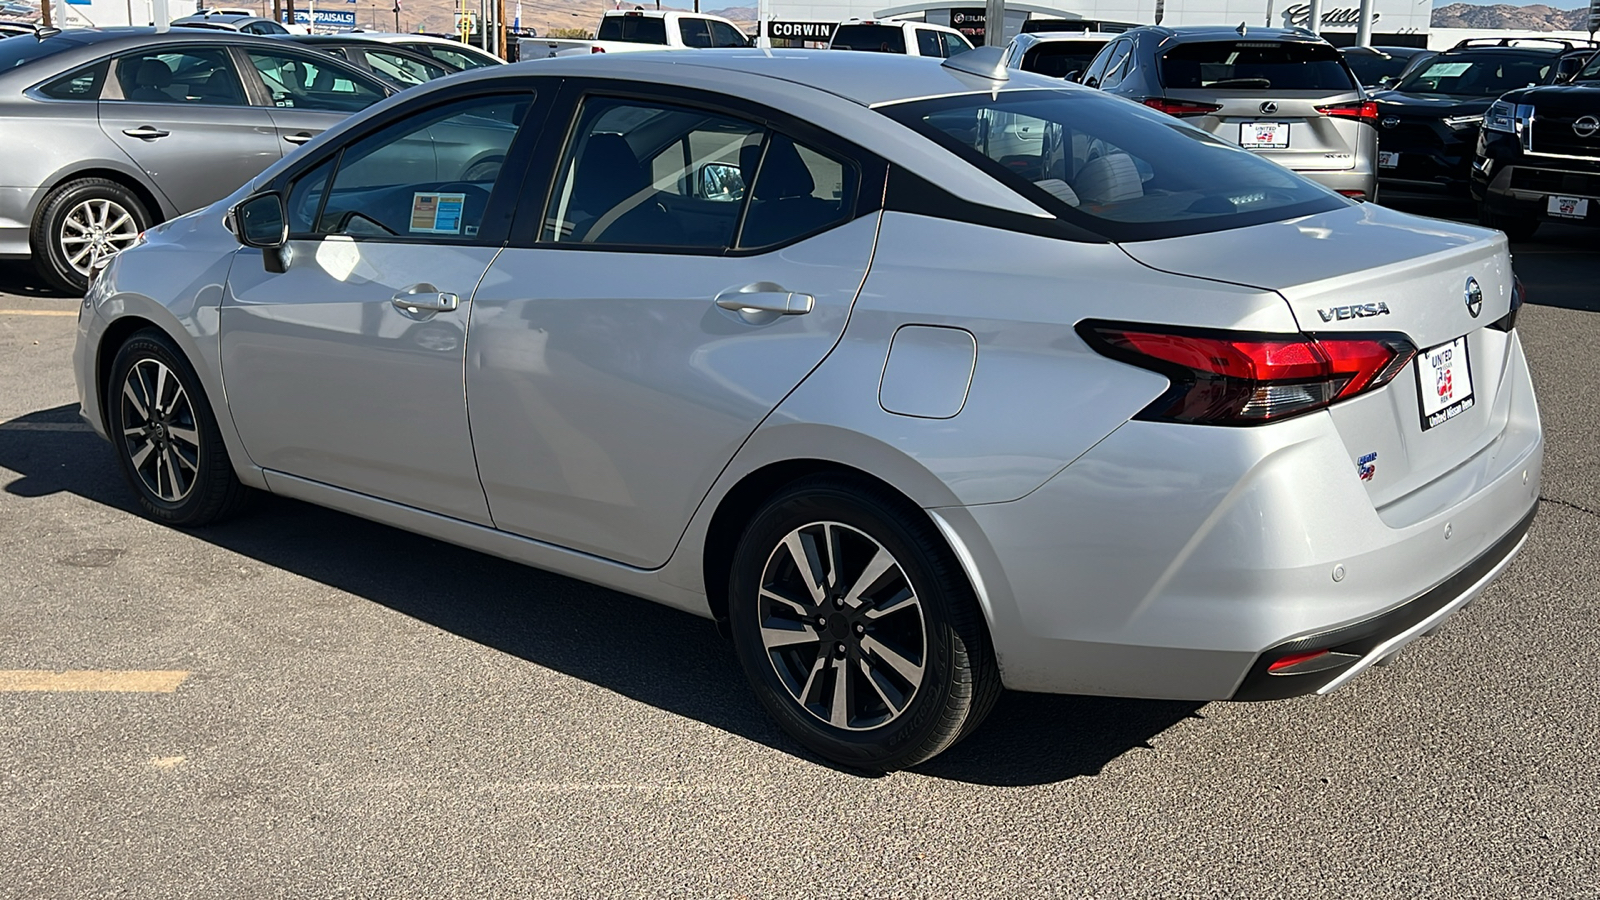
920 377
1283 93
105 133
400 67
232 22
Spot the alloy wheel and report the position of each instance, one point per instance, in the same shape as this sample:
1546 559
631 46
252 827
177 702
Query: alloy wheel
94 230
159 431
842 626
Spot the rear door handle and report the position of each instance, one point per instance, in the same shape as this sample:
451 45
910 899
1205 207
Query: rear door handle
300 138
425 298
765 297
148 132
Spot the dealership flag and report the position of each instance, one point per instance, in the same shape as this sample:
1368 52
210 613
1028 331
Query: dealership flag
516 20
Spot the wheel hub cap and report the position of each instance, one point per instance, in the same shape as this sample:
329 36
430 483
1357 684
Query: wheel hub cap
95 229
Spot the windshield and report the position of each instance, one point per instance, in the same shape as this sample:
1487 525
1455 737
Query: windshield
633 29
1482 75
26 49
1058 59
879 38
1114 168
1373 68
1254 66
1591 72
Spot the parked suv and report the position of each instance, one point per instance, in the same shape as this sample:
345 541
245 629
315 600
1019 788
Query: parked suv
1056 54
1283 93
1428 124
1538 156
910 38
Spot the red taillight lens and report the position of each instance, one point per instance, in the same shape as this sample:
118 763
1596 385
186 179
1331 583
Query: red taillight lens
1232 378
593 49
1181 108
1364 110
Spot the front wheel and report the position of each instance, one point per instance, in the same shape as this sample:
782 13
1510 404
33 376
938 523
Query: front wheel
166 438
857 629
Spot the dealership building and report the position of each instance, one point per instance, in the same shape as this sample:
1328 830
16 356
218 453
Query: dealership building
1395 22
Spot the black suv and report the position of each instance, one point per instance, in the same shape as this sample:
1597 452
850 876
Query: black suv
1539 156
1428 124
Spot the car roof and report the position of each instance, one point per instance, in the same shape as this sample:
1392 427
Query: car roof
869 79
220 18
1182 34
138 36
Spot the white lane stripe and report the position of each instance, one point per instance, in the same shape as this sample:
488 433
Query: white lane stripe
45 426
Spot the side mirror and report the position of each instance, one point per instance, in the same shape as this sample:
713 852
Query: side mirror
1074 75
259 221
720 181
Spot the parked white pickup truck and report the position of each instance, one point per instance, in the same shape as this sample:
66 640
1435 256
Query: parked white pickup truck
622 31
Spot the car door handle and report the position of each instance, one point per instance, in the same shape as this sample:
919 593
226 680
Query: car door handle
300 138
421 298
763 297
148 132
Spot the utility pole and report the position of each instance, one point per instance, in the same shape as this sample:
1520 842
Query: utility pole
1364 27
994 23
397 15
500 27
1314 20
44 14
277 11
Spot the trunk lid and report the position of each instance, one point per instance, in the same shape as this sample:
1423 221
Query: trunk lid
1365 269
1314 141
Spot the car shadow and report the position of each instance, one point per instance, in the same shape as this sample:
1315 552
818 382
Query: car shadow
659 656
19 278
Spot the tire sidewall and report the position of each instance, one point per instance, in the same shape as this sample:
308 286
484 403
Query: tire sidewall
47 242
151 345
875 749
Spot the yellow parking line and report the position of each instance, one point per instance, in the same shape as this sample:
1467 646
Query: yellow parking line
148 681
38 312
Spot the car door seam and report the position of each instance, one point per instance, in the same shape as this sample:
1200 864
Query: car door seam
466 395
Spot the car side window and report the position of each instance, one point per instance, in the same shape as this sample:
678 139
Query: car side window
447 56
429 175
301 82
404 69
953 44
1097 67
198 75
725 35
1118 66
694 33
798 191
79 84
928 42
642 173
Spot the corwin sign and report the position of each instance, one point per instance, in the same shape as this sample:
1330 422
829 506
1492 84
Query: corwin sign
1299 16
800 31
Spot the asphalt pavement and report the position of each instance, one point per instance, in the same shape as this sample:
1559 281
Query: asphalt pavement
328 707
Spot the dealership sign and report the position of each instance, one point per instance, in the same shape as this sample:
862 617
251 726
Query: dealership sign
327 18
800 31
1299 16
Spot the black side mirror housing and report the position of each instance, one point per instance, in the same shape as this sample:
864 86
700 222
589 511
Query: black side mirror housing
1074 75
259 221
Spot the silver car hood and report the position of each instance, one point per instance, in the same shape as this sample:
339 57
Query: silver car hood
1336 268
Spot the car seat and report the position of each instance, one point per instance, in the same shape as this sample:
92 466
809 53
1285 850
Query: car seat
781 203
613 199
151 80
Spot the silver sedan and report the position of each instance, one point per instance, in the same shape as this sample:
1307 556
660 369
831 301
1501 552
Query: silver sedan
921 379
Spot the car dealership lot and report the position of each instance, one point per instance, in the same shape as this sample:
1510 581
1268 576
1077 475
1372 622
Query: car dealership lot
333 707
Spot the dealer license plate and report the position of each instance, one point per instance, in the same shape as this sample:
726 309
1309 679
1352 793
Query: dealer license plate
1567 207
1264 135
1388 159
1444 380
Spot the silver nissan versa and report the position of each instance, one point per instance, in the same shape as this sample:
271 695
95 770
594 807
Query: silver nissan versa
924 378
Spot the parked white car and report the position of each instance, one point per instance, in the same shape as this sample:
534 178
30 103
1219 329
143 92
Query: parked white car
910 38
624 31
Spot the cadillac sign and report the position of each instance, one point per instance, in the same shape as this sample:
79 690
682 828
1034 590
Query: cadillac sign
1299 16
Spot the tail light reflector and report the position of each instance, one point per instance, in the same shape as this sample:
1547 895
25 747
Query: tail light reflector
1181 108
594 49
1242 378
1363 110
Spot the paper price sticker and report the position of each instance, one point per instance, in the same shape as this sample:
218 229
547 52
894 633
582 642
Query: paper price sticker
436 213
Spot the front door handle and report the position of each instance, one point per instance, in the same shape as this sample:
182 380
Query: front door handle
148 132
300 138
765 297
425 298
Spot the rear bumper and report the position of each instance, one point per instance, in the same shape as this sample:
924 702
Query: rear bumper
1346 181
1524 191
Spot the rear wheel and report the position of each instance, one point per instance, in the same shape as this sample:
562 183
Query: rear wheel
1517 228
80 223
857 630
165 436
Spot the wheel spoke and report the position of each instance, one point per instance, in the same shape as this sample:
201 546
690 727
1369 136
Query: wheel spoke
839 711
866 674
895 603
774 637
880 563
161 390
143 453
910 671
117 225
817 667
74 239
76 223
175 474
800 609
189 436
138 403
805 561
76 259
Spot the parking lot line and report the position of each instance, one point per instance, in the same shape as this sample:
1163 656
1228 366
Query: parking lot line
44 426
156 681
38 312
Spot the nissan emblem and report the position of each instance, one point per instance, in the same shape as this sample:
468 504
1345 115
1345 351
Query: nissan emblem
1474 297
1586 126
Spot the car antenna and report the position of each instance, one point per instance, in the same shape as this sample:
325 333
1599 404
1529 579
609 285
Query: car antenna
984 62
1241 29
45 31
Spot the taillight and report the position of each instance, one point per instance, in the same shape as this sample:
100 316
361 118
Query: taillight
1181 108
1363 110
594 49
1241 378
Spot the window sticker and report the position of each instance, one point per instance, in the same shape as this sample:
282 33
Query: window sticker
1446 70
436 213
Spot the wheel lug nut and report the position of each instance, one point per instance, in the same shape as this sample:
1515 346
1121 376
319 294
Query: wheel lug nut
860 628
839 649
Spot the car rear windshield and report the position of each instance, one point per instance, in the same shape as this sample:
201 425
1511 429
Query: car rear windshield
633 29
878 38
25 49
1058 59
1254 66
1114 168
1477 74
1372 68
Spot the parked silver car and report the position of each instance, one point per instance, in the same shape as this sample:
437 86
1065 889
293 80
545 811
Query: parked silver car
247 24
920 378
450 52
1058 54
104 133
1283 93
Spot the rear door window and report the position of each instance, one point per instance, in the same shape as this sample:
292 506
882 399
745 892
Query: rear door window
1254 66
954 44
725 35
928 42
875 38
200 75
1058 59
633 29
694 33
298 82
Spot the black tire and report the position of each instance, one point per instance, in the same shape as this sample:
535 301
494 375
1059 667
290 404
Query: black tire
850 521
183 439
1517 228
51 257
